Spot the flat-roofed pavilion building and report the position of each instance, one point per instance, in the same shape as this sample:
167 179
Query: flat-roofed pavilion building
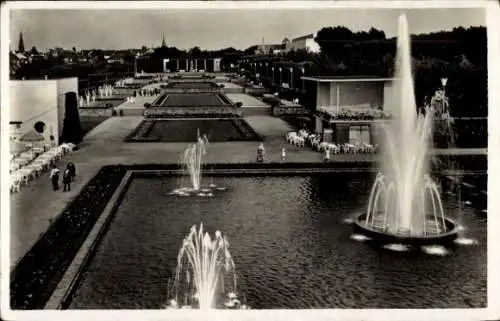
348 109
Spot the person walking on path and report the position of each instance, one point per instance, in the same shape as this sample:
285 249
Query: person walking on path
283 154
67 180
72 170
327 155
261 151
54 177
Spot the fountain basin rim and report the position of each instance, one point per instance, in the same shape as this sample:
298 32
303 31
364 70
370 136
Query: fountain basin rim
380 236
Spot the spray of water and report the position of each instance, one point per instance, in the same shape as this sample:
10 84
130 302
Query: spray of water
192 163
405 200
205 271
193 160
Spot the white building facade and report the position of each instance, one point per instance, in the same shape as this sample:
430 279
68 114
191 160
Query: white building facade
306 42
33 101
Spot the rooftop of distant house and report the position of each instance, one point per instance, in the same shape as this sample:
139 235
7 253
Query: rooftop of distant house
309 36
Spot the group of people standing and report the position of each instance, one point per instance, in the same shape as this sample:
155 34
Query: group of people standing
67 177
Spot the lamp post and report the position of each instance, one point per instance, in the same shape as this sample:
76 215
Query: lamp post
303 81
272 72
135 64
291 78
280 78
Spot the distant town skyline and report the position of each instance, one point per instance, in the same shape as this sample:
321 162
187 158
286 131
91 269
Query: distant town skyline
215 29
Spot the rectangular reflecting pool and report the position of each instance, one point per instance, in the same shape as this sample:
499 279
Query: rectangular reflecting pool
291 242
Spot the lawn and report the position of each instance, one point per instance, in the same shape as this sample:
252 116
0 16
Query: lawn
178 130
90 122
193 100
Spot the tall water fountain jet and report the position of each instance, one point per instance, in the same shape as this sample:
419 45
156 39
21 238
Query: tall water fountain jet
405 202
192 163
193 159
205 272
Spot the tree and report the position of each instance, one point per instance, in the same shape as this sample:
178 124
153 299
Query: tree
195 52
34 51
72 129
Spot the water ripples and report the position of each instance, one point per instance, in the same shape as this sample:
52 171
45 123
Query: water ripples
397 247
466 241
360 237
289 241
435 250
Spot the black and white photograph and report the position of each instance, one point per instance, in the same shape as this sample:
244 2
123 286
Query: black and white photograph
170 157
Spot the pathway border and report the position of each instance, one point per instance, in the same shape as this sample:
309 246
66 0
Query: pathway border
75 269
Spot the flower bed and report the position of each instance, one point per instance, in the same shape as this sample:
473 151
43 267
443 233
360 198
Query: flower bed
141 133
372 114
246 130
39 271
191 115
220 111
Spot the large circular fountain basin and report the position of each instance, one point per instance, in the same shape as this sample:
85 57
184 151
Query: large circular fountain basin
384 237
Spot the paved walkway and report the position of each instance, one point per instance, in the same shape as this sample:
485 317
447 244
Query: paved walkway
36 206
230 85
247 100
138 102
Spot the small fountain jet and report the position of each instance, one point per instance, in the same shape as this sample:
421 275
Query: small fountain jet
205 272
192 161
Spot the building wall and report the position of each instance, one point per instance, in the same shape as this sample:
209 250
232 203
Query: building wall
351 94
360 93
323 94
64 85
304 43
32 101
40 100
299 44
312 46
389 98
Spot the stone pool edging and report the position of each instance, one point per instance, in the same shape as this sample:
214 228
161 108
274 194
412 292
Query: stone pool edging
62 295
66 278
84 254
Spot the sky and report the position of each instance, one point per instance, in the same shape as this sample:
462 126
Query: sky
214 29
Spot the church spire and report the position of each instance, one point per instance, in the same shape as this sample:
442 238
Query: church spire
20 47
163 42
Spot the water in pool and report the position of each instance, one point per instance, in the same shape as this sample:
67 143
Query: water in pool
292 245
